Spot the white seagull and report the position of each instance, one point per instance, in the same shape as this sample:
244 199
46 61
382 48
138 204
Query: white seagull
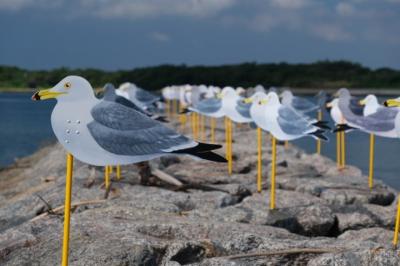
298 103
102 132
234 106
283 122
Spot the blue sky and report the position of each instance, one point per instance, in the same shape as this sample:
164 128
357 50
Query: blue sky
122 34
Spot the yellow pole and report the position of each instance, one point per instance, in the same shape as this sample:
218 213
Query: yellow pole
338 138
174 106
182 117
118 172
343 149
259 169
106 177
198 126
212 130
193 121
110 169
318 140
226 138
168 107
397 225
371 160
203 128
273 173
230 146
67 209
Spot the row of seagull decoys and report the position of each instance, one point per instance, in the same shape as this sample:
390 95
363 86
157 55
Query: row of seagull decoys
287 120
121 129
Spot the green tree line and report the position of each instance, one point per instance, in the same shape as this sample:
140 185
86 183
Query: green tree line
321 74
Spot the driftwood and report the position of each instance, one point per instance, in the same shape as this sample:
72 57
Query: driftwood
283 252
166 177
61 208
147 174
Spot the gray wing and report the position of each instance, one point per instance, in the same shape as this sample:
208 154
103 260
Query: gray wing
124 131
291 122
243 108
382 120
303 105
211 105
145 96
372 124
377 122
385 113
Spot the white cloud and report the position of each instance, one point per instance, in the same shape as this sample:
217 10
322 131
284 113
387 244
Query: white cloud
289 4
269 21
16 5
344 9
160 37
152 8
330 32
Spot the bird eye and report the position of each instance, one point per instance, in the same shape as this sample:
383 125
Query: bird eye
260 102
67 85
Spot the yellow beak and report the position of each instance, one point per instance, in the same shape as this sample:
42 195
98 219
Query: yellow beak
264 101
362 102
46 94
247 100
329 105
392 103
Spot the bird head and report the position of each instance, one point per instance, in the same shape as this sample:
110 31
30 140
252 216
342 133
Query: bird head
342 93
227 92
392 102
286 94
71 88
259 98
369 99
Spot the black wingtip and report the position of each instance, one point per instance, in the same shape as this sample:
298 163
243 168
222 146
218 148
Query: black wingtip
211 156
320 135
343 127
162 119
322 125
184 111
204 151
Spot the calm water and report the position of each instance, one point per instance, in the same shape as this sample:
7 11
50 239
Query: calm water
25 125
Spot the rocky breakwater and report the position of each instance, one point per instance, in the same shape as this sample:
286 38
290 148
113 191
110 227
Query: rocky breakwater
323 216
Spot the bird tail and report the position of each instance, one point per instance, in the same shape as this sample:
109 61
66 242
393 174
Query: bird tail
204 151
343 127
319 134
322 125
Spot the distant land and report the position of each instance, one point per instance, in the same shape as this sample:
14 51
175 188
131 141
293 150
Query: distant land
321 74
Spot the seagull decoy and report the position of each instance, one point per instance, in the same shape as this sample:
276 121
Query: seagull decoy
298 103
101 132
284 123
371 106
138 96
236 110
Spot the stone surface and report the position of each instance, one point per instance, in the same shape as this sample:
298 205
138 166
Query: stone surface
323 216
